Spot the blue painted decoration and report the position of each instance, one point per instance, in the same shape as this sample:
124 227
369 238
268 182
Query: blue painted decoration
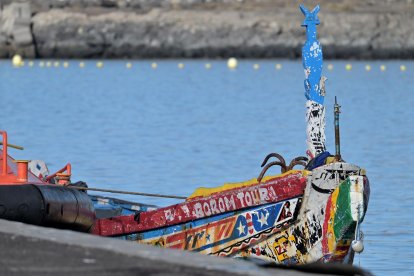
212 234
312 57
105 206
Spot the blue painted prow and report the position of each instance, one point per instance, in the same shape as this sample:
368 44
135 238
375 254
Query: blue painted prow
312 57
310 17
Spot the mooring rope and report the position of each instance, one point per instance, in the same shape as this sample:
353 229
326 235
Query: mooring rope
13 146
126 192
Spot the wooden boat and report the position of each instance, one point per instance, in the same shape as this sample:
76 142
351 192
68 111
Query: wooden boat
297 217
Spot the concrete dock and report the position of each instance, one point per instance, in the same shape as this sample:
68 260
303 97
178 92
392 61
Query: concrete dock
33 250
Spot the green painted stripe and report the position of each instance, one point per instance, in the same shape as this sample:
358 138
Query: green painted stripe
344 225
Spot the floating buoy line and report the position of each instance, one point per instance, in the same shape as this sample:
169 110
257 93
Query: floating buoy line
232 63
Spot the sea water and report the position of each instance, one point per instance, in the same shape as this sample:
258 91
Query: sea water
165 129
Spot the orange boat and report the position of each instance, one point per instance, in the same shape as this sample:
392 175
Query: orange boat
27 198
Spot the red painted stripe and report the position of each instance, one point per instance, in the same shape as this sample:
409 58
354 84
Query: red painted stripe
325 248
249 223
226 224
248 218
228 230
276 189
224 229
342 248
176 241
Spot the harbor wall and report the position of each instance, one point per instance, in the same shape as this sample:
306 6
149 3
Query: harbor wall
202 29
33 250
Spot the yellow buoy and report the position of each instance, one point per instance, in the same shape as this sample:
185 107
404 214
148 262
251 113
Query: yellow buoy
48 64
232 63
99 64
181 65
256 66
56 64
348 67
81 64
383 68
30 63
330 67
154 65
66 64
278 66
128 65
368 67
403 68
208 65
17 61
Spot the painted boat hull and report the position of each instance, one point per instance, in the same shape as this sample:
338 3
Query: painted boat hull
301 217
326 223
298 217
295 218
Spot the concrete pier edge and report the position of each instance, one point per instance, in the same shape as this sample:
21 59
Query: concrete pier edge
128 248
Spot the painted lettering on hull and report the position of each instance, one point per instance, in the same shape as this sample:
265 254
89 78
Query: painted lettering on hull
216 233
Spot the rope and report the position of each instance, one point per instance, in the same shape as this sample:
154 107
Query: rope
126 192
13 146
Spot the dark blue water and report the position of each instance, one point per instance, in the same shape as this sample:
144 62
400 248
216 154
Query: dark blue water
171 130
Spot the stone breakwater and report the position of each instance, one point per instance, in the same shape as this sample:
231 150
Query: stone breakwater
193 29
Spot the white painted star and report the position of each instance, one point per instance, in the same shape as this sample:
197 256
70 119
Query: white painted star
241 228
263 219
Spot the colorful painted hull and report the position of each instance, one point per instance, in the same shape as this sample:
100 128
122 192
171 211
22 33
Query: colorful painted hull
295 218
298 217
326 223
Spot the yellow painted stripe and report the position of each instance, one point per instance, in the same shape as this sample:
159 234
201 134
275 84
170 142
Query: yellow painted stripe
330 232
203 192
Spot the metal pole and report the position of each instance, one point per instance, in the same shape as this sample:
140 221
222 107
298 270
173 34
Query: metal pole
337 136
4 161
